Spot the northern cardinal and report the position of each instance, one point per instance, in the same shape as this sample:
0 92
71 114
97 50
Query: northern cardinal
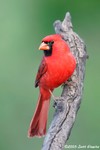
57 66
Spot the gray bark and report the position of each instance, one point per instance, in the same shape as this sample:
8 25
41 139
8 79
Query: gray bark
68 104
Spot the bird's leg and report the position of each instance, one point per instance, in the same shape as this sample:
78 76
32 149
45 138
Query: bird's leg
56 99
55 103
69 82
52 95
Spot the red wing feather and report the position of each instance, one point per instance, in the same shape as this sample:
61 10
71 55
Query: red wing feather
41 71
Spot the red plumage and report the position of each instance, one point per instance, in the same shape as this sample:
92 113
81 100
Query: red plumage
57 66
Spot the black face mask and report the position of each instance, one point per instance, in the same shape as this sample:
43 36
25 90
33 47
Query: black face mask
48 52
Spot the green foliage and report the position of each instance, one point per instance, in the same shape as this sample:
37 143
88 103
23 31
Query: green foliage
23 24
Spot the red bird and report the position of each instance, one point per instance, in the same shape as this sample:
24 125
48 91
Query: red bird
57 66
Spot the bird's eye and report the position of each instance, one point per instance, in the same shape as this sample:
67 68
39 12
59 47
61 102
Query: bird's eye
52 42
49 43
46 42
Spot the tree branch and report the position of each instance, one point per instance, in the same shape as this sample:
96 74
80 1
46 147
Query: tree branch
69 102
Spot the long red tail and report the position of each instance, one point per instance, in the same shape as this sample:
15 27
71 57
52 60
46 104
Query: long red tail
39 120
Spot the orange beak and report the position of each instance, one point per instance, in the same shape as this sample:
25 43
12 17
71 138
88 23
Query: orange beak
44 46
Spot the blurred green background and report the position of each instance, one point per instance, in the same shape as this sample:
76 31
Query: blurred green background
23 23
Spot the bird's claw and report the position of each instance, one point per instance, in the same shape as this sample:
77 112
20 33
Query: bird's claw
55 104
69 83
56 99
58 102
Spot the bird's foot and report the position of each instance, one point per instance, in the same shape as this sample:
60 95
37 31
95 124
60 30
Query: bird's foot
69 83
56 99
